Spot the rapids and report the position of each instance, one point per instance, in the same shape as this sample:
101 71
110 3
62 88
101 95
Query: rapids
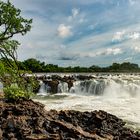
118 94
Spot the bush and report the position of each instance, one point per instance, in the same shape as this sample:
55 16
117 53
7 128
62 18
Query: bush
14 93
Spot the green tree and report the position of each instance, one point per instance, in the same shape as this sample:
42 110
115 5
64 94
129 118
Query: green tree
95 68
127 66
11 24
34 65
115 67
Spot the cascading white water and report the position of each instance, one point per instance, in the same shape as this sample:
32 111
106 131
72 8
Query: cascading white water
117 94
62 87
43 89
93 87
122 88
113 86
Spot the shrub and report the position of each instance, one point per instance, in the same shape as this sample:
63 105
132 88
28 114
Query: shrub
14 93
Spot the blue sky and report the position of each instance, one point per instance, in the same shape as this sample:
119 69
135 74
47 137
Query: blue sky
81 32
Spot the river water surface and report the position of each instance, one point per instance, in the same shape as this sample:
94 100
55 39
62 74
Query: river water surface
118 94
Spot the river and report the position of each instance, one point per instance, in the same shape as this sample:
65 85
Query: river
118 94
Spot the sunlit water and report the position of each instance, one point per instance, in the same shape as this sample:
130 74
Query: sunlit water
118 95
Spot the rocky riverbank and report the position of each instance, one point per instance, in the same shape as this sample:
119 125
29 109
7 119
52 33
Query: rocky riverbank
27 120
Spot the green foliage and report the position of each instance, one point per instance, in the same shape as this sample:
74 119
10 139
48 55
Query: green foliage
34 65
11 24
37 66
15 93
11 21
35 84
2 69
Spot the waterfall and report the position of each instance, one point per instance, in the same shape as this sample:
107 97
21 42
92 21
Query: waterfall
62 87
109 86
121 88
118 94
93 87
44 89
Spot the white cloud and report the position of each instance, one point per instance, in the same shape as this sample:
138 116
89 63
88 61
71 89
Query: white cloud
75 12
106 52
124 35
113 51
136 49
133 2
55 22
77 17
128 59
110 51
134 36
119 36
64 31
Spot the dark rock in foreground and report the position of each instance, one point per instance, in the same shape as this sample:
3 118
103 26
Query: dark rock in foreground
27 120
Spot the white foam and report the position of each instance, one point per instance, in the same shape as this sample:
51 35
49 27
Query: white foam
121 97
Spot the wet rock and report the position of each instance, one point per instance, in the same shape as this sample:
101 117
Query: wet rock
10 123
13 139
1 133
53 85
53 81
98 122
84 77
27 120
37 137
70 83
11 135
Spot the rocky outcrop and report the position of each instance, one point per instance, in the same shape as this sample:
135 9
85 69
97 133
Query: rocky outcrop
54 80
53 84
27 120
84 77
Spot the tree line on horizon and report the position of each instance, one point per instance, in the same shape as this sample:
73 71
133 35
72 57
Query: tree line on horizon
35 65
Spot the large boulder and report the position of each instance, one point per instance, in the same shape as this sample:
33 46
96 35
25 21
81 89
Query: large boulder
53 84
70 83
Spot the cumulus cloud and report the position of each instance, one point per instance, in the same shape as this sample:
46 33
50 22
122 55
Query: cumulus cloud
75 12
64 31
72 23
123 35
